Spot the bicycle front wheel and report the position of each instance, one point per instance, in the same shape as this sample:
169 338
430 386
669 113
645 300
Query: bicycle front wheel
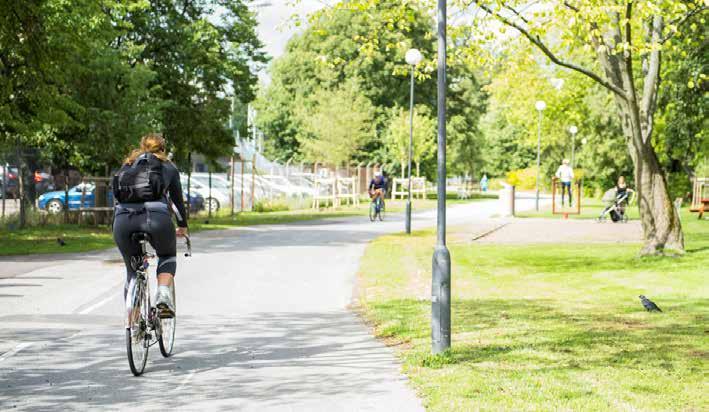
137 335
372 211
382 208
166 340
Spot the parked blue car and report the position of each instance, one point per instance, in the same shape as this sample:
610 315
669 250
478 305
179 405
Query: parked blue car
53 202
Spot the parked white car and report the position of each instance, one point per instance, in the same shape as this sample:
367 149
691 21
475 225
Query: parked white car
219 196
284 185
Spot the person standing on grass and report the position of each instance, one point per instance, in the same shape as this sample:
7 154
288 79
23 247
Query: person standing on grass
483 183
566 175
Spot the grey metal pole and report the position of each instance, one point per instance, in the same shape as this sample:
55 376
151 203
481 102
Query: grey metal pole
189 182
441 287
539 148
210 192
411 150
4 188
243 199
231 181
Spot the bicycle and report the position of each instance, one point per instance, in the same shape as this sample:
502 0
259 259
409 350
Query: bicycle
143 326
376 209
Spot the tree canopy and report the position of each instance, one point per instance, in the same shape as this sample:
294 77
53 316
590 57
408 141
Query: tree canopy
336 48
85 79
620 46
337 126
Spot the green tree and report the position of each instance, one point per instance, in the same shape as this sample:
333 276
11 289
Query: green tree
510 125
40 45
397 136
625 40
342 43
681 136
337 126
200 63
617 45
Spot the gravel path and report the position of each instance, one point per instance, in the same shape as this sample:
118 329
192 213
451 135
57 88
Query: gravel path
529 230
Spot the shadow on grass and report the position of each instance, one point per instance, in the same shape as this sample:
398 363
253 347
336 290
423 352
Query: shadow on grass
535 334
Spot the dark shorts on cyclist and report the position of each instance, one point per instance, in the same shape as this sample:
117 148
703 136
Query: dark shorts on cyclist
153 218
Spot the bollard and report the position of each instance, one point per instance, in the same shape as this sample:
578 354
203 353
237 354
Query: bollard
507 200
512 201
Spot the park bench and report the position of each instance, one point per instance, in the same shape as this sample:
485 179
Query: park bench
700 199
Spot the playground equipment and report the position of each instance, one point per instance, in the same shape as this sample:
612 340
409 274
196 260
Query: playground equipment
561 210
700 197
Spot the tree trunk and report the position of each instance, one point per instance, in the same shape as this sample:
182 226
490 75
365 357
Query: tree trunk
662 229
21 186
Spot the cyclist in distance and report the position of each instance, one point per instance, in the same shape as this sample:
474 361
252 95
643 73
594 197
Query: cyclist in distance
144 187
378 186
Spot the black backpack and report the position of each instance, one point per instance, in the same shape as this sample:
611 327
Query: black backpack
140 182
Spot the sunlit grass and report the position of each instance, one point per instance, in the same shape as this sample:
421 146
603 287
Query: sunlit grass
43 239
548 327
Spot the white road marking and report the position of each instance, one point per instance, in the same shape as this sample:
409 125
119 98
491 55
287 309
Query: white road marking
96 305
16 350
109 294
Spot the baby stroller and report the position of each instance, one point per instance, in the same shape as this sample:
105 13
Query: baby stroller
616 203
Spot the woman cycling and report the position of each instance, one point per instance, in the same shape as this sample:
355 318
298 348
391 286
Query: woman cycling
144 187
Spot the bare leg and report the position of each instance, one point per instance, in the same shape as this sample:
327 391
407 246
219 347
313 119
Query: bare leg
165 279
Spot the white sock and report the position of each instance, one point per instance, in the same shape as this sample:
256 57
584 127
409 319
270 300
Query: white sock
165 289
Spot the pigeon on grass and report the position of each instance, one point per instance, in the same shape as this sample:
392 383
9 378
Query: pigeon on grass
649 305
61 241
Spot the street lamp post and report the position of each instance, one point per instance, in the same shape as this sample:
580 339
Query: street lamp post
573 130
413 58
540 106
441 280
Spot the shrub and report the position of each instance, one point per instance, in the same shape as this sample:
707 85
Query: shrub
524 179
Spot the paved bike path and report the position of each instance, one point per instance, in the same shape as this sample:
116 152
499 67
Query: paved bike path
263 325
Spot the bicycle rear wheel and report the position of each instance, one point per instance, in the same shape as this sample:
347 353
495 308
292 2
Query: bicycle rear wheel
166 340
137 335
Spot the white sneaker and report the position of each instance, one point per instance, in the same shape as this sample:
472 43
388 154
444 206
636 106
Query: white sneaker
164 303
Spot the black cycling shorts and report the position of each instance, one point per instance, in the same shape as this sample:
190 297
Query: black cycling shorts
153 218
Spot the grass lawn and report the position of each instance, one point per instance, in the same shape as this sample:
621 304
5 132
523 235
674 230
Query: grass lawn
43 239
548 327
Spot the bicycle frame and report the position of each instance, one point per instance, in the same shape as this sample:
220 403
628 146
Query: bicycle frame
144 327
140 281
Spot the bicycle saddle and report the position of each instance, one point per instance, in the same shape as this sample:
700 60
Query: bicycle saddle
140 236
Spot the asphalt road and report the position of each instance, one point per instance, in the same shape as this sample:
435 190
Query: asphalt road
263 325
